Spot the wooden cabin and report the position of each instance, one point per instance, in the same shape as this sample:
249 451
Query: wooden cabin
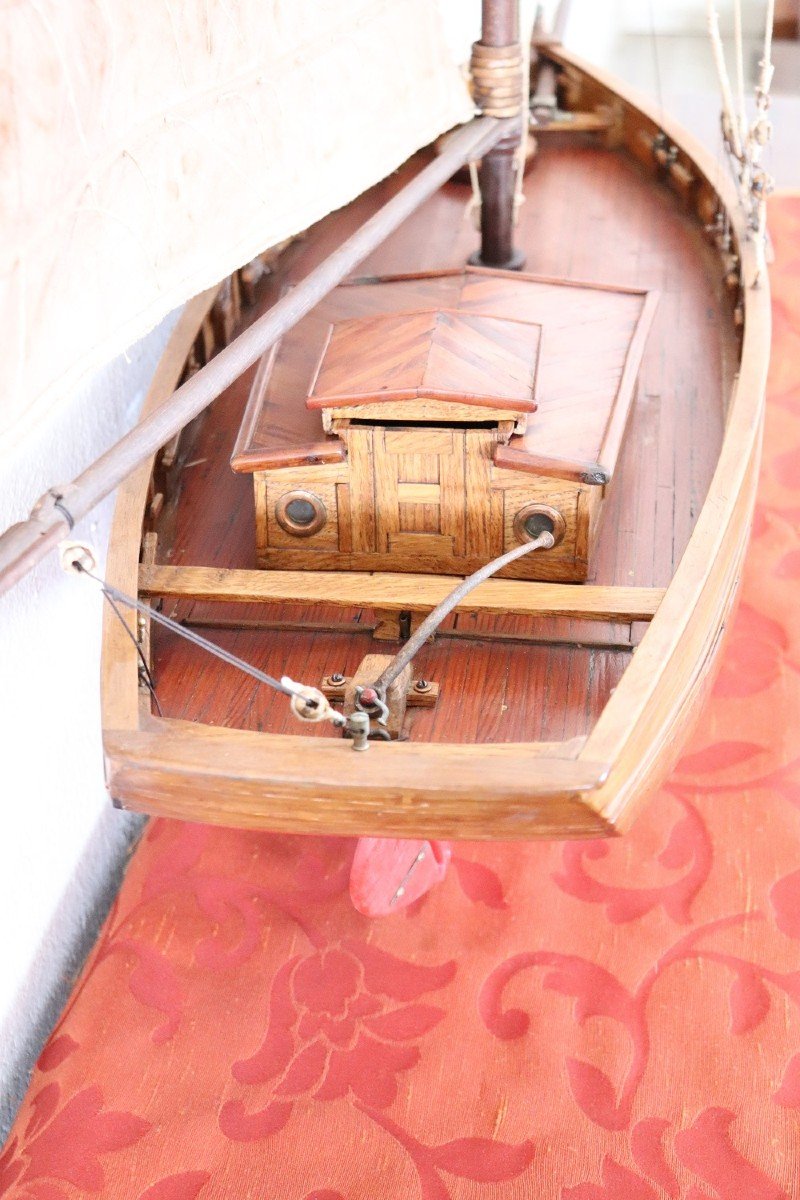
430 423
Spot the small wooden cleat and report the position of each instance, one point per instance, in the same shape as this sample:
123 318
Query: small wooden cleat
390 873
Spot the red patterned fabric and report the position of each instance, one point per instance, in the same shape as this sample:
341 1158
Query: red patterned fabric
583 1021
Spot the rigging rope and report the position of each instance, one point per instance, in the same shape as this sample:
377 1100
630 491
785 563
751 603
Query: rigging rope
730 127
434 619
308 703
143 665
739 56
745 142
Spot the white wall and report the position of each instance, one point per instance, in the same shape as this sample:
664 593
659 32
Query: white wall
61 842
686 16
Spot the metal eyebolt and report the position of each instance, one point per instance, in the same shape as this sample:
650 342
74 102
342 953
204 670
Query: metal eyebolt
369 701
358 730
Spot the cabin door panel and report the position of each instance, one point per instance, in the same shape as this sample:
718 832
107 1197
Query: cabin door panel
419 489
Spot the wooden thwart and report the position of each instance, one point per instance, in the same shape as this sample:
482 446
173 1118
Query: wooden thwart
395 592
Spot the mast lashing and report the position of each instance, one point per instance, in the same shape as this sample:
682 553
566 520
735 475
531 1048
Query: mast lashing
497 67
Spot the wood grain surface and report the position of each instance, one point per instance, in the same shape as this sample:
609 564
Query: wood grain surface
417 593
507 691
613 217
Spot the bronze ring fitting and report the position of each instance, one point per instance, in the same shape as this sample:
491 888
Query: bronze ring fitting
291 524
543 510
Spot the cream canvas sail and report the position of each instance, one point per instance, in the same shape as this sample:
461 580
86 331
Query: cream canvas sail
153 148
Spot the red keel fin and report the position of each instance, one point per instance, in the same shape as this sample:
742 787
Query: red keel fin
390 873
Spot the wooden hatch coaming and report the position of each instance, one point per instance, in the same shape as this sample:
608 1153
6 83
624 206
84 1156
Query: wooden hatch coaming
589 339
584 788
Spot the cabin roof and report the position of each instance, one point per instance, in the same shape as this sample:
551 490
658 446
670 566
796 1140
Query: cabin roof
589 339
434 353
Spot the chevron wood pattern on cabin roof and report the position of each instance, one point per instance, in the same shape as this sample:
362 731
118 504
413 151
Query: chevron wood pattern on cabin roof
451 356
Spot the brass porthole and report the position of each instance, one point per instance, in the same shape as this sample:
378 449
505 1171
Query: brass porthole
300 513
534 519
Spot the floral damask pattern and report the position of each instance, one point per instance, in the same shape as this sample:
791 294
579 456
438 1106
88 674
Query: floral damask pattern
66 1141
585 1021
339 1025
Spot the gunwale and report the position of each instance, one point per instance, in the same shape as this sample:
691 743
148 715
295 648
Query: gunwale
677 652
586 788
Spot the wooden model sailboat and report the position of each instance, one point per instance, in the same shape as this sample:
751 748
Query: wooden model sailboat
585 430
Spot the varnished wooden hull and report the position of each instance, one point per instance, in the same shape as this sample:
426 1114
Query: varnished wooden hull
609 721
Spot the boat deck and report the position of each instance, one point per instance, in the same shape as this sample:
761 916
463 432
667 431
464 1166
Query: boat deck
590 214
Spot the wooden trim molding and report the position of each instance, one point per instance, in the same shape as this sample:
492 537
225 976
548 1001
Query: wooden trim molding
318 785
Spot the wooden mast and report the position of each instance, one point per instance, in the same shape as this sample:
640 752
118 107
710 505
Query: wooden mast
497 75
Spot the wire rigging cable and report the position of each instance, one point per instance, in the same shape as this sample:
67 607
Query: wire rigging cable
544 541
143 665
308 703
745 140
